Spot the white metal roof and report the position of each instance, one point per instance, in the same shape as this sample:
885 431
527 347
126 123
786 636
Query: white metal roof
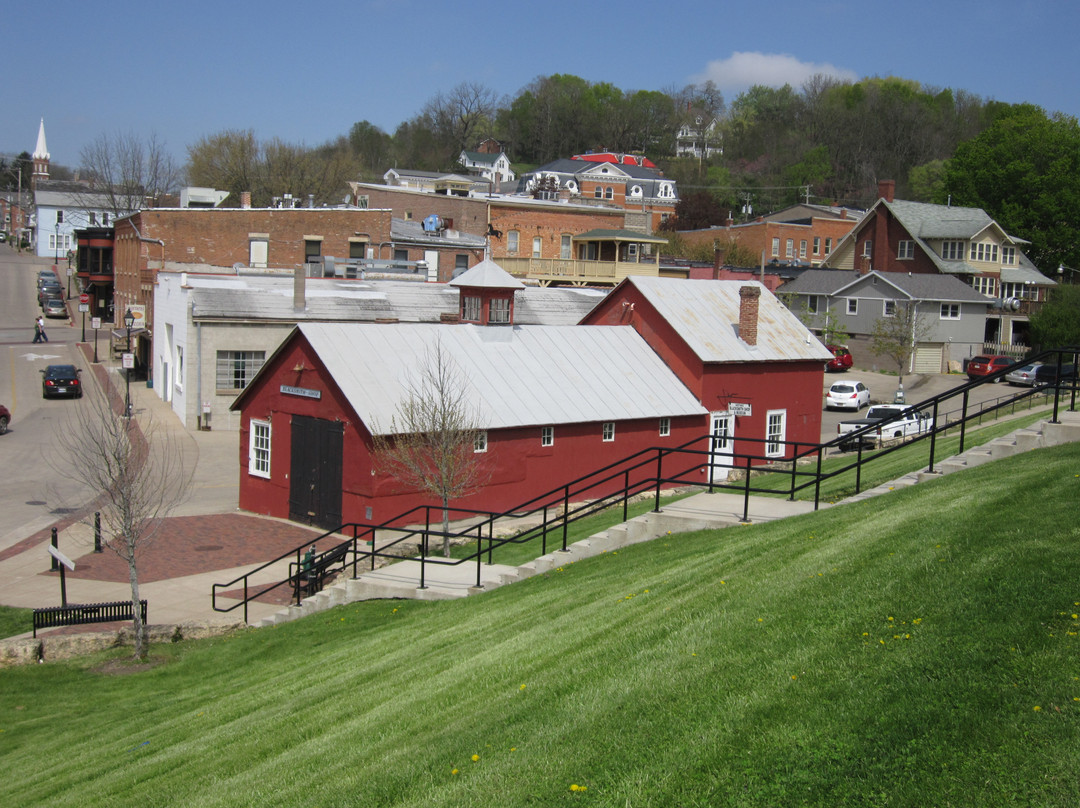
705 313
516 376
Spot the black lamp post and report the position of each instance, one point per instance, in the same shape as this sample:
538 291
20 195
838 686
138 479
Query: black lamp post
129 321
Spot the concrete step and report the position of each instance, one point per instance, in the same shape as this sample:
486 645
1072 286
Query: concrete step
1065 432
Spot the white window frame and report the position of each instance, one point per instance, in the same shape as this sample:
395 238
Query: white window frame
789 248
776 247
480 443
236 369
547 436
471 308
888 308
950 311
259 434
953 250
853 305
1008 256
828 246
512 242
802 249
868 248
775 432
538 247
665 427
178 381
499 311
609 431
905 250
817 245
566 248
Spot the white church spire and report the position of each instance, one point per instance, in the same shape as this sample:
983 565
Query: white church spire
40 157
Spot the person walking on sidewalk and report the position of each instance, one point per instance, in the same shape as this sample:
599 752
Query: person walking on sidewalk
40 335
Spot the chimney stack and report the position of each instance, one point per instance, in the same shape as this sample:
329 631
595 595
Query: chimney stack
299 293
886 189
749 297
245 199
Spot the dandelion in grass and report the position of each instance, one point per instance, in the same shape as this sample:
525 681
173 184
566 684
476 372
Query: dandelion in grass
453 771
475 758
576 788
794 677
513 748
1037 708
522 687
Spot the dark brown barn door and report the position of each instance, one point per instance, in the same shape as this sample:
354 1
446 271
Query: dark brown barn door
315 475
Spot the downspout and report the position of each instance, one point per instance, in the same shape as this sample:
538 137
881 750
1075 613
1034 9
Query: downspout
139 236
198 368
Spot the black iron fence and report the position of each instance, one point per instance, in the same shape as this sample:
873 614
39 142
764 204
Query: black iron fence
78 614
708 462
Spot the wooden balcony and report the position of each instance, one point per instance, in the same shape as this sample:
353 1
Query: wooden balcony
572 272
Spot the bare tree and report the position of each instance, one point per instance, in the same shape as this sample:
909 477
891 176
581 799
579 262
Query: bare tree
898 336
462 116
129 172
432 442
142 474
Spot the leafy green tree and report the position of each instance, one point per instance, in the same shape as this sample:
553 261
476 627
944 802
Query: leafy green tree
1057 323
1024 171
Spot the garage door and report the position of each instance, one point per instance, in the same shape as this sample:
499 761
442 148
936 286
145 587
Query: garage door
928 359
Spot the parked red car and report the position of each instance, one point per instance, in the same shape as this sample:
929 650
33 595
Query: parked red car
5 418
841 359
980 366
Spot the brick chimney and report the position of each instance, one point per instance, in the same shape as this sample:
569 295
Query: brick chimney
886 189
749 297
245 199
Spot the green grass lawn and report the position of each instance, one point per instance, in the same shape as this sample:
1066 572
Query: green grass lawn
916 649
15 621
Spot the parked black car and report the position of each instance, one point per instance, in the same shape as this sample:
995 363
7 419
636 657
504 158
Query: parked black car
61 380
1048 373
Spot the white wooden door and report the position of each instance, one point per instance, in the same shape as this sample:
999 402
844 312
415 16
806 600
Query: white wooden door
721 446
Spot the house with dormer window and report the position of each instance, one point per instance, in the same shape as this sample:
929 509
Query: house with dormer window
965 243
495 168
625 184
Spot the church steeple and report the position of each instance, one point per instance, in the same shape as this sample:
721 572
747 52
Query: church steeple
40 157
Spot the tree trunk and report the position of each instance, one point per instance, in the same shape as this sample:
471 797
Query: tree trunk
446 528
137 622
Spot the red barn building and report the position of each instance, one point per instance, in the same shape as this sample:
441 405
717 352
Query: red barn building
555 402
751 363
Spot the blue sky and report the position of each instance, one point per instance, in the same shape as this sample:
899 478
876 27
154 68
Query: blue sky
306 71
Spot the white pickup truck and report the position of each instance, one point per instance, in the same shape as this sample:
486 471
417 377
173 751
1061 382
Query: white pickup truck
907 421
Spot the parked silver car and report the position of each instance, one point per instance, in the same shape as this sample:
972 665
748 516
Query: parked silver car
1023 377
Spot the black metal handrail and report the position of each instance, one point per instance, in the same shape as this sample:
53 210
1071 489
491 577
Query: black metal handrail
651 470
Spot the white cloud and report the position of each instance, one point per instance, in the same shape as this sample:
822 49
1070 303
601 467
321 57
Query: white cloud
740 71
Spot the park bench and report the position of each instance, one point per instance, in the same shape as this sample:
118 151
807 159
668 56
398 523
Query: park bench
314 577
78 614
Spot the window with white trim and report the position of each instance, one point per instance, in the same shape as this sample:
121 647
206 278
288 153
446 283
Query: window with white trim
1008 255
952 250
480 443
470 308
776 248
665 427
566 247
547 436
888 308
868 248
598 192
984 252
802 248
538 247
905 250
609 431
259 449
950 311
984 285
812 304
499 311
853 305
789 251
178 383
512 242
236 369
817 245
775 428
609 193
828 246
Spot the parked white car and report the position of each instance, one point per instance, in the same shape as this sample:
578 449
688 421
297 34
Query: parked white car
848 396
1023 377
